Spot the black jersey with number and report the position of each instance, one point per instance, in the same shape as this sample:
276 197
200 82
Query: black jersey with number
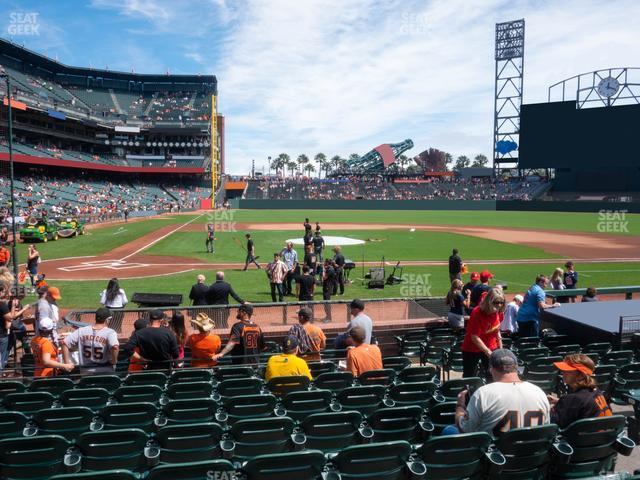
249 342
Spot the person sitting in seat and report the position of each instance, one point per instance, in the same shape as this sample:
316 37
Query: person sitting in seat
362 357
287 363
584 399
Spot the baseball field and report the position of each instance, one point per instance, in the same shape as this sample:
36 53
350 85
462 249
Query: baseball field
164 254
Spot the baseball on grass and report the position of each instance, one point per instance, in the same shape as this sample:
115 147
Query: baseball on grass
412 229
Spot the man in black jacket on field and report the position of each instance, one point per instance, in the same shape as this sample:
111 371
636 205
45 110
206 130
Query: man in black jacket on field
156 346
455 266
199 292
218 294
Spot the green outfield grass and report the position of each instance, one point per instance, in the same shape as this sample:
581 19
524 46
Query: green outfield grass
392 244
421 281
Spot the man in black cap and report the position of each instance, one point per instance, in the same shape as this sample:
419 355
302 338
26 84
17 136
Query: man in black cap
287 363
156 346
246 339
505 404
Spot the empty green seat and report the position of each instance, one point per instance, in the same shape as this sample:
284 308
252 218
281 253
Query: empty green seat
317 368
299 405
228 373
240 386
129 415
186 390
364 399
627 379
280 386
384 377
603 376
600 348
261 436
191 375
94 398
146 378
66 422
422 394
189 443
109 449
32 457
396 363
306 465
399 423
333 381
451 388
618 358
546 381
28 402
331 432
11 386
12 424
138 393
543 364
210 469
201 410
248 406
106 475
442 414
108 382
374 462
425 373
53 385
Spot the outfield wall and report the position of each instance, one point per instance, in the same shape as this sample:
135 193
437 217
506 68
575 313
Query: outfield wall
490 205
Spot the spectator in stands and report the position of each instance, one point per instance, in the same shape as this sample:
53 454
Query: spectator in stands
10 310
482 335
584 400
33 261
479 290
157 346
5 255
570 279
287 363
360 319
204 345
48 308
591 295
307 283
199 291
218 294
456 303
557 283
179 329
455 265
290 258
45 351
135 364
276 272
113 296
97 345
505 404
534 302
311 338
246 339
362 357
339 261
509 326
468 288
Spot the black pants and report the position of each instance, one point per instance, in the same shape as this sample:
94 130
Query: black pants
470 362
528 329
327 290
250 259
287 283
210 245
339 283
277 287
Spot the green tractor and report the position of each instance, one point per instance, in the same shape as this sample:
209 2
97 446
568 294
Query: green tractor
70 227
39 230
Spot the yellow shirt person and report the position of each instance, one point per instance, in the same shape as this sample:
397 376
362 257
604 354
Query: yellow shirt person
287 363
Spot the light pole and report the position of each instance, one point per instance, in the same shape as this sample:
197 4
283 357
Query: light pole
11 180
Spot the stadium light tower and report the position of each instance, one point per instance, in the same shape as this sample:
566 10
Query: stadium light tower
11 179
508 94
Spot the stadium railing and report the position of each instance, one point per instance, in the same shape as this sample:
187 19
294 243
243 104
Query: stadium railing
628 292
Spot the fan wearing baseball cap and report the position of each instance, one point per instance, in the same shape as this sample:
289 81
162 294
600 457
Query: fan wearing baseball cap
474 278
584 399
45 352
246 339
480 289
287 363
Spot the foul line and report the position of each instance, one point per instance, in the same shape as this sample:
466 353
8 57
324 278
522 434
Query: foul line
162 237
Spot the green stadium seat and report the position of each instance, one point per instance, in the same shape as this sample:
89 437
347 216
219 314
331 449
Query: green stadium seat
396 363
375 461
33 457
202 410
441 415
462 456
422 394
228 373
331 432
451 388
113 449
240 386
53 385
551 341
11 386
433 354
525 342
146 378
307 465
261 436
243 407
106 475
601 348
334 381
28 402
603 375
384 377
94 398
619 358
280 386
426 373
138 393
189 443
191 375
186 390
129 415
543 364
66 422
564 350
596 443
193 471
364 399
547 381
400 423
317 368
453 362
526 355
109 382
299 405
12 424
626 379
528 451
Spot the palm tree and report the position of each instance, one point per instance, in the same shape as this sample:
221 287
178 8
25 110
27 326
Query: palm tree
448 160
278 163
320 159
309 168
292 166
284 162
403 161
302 161
335 162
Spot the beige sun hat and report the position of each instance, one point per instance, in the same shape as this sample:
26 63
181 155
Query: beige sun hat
202 322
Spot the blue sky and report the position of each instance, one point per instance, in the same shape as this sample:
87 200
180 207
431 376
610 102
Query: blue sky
338 76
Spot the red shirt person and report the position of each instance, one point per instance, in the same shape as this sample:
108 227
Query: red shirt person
482 335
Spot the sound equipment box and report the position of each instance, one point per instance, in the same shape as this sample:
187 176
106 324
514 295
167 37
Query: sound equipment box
157 299
376 278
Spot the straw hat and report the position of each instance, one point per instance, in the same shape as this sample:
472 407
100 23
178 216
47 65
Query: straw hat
202 322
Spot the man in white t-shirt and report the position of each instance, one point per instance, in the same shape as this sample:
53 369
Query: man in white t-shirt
509 325
360 319
97 345
505 404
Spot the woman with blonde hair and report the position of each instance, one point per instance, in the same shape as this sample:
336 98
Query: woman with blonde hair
457 304
557 283
482 335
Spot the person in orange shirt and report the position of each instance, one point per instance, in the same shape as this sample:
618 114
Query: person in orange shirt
5 256
363 356
203 344
311 338
46 353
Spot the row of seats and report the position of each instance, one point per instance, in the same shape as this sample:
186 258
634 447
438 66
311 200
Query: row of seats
334 448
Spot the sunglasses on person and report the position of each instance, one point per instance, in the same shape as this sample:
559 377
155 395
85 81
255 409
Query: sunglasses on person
498 302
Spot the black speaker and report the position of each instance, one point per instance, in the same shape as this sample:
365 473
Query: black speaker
376 278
